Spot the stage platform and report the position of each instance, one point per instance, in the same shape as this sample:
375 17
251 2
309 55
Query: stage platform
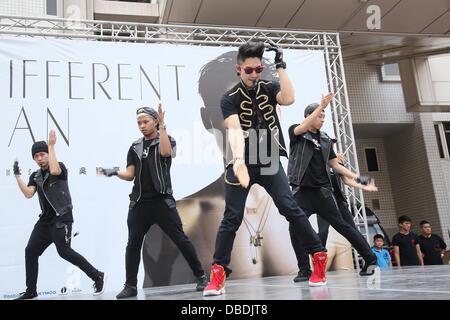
406 283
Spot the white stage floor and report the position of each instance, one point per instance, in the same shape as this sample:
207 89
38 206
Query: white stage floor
406 283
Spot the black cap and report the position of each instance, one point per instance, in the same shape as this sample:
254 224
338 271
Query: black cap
310 109
147 110
39 146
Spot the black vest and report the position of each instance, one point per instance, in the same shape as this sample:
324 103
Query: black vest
55 190
301 152
159 168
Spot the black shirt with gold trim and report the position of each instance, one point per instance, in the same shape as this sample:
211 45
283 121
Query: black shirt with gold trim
256 109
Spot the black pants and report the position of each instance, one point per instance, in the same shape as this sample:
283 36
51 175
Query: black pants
164 213
41 237
324 226
322 202
277 187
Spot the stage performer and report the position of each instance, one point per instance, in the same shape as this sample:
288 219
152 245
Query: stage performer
151 200
341 256
256 141
55 221
311 156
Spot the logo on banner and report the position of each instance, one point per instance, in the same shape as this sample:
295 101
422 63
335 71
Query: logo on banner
73 281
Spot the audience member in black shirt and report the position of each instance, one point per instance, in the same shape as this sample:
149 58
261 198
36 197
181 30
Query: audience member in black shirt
431 245
406 245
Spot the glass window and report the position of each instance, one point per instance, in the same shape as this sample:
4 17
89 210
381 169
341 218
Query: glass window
371 159
52 8
390 72
439 141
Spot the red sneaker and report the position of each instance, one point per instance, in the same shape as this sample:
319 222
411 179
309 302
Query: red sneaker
216 285
318 277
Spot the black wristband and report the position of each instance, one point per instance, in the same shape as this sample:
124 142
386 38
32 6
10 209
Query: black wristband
364 180
281 64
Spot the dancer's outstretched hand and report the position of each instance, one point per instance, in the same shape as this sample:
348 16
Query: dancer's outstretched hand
241 172
272 46
371 187
109 172
326 99
52 138
161 114
16 168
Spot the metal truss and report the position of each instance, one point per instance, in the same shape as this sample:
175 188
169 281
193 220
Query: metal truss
135 32
329 43
342 122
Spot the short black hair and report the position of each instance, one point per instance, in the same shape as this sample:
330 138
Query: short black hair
250 49
424 222
378 236
404 219
310 109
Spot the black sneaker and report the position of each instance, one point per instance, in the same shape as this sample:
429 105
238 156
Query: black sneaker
127 292
303 275
369 266
99 284
28 294
202 282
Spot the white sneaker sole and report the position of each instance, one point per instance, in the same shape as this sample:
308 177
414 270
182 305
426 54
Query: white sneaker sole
214 292
317 284
105 277
371 270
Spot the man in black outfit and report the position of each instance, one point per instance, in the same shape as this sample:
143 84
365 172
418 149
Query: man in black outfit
431 245
256 142
55 221
311 156
151 200
323 226
406 245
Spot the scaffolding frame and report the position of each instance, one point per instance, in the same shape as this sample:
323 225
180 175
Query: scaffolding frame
329 43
